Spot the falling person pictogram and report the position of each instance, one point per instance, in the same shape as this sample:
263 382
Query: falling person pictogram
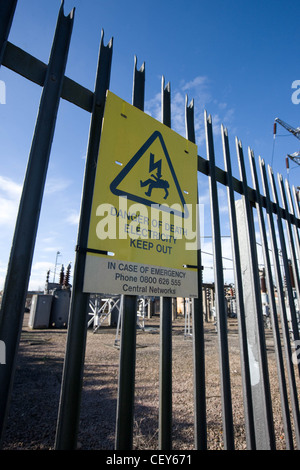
155 181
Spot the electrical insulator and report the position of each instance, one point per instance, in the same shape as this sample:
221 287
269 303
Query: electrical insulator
67 276
61 276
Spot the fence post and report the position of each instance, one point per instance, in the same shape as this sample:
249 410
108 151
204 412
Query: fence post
292 250
219 289
285 261
16 284
165 375
198 327
138 89
125 404
69 406
281 304
295 231
7 11
262 407
165 378
273 310
249 424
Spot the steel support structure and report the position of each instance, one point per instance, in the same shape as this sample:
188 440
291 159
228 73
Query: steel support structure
17 278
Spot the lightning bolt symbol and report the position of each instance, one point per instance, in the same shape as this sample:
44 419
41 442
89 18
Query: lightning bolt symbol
155 165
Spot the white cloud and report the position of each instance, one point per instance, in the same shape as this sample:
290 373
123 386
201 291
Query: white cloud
49 240
223 200
200 90
178 113
38 274
11 188
73 218
54 185
42 266
153 107
3 270
200 81
10 193
50 249
222 105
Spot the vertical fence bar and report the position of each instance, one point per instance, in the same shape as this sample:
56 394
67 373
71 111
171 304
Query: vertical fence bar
18 273
296 200
165 372
165 103
249 423
219 290
69 407
165 375
294 227
285 261
7 11
265 438
273 310
290 236
198 327
125 403
281 303
138 90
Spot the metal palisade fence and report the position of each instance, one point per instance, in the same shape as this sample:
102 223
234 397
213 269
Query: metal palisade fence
249 206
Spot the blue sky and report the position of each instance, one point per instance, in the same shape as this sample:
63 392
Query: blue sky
236 59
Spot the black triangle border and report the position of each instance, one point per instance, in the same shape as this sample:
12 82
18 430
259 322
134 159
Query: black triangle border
128 167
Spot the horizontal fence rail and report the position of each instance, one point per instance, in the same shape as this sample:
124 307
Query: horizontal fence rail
256 217
34 70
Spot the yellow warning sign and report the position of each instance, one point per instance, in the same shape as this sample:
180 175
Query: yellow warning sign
143 226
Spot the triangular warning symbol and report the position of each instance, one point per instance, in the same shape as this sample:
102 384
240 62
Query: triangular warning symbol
149 178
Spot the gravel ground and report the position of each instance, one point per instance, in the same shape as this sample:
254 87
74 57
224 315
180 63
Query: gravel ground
34 405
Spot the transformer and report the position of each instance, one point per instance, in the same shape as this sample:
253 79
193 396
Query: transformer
40 311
